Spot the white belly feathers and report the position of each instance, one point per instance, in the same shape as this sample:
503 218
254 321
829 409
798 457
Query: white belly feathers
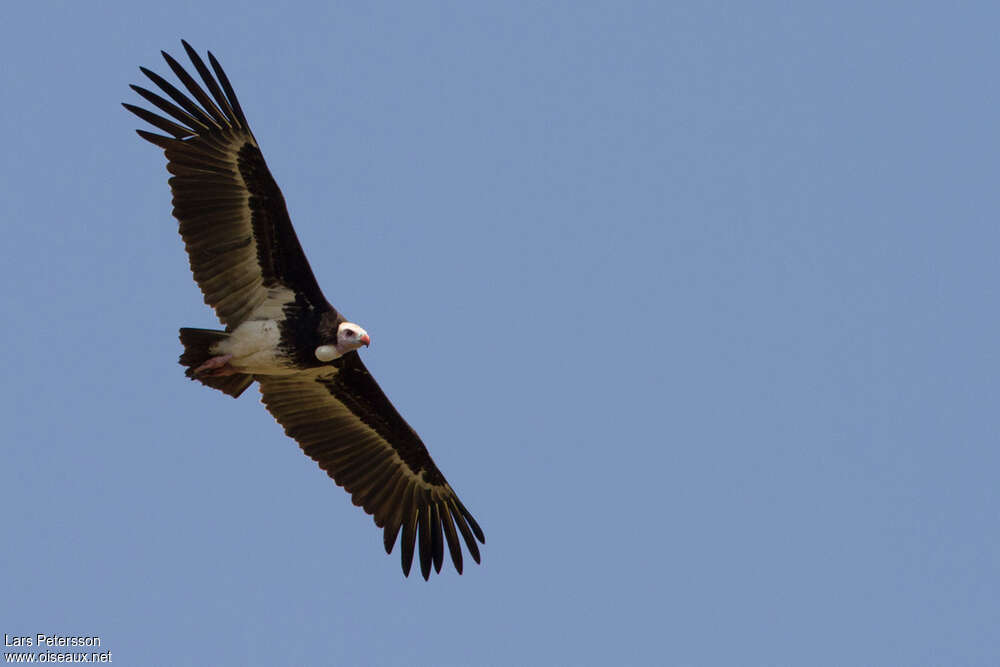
254 346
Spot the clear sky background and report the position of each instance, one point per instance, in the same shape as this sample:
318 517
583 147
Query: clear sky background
695 304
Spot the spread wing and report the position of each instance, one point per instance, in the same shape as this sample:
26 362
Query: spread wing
233 220
344 422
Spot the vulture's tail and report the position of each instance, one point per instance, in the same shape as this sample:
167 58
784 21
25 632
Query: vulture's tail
197 350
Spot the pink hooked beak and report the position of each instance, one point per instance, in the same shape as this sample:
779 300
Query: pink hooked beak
365 340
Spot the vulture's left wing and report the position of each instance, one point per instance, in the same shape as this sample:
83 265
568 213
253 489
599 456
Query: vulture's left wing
344 422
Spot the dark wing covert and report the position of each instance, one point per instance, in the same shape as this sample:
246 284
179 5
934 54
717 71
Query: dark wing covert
232 215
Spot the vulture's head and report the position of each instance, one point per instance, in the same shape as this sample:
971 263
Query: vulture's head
349 337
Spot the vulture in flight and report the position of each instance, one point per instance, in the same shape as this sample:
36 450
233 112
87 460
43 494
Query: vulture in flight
280 330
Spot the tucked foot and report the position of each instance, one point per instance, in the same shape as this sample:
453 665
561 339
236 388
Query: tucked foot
216 367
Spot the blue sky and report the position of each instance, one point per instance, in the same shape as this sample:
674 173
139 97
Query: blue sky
695 304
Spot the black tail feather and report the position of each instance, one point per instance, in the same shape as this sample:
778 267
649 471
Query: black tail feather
197 350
